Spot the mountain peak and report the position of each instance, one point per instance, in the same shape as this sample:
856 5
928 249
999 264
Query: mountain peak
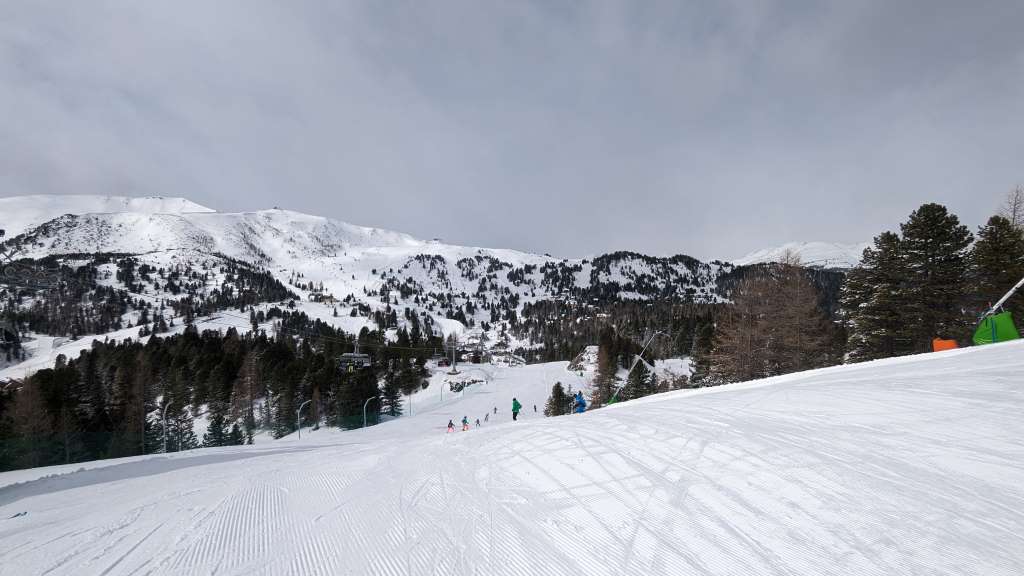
21 213
814 254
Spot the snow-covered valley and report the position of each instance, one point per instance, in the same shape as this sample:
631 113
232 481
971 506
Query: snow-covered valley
902 466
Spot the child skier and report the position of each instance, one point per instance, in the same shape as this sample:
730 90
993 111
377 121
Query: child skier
465 423
451 426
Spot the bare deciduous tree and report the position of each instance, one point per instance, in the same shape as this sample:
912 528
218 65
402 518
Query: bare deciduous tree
1013 207
775 326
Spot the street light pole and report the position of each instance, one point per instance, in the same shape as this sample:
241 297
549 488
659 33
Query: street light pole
164 426
364 408
298 421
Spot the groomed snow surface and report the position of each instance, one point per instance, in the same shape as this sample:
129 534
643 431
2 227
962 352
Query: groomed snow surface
905 466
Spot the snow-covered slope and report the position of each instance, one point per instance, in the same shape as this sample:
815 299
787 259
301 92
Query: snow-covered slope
817 254
342 271
277 236
20 213
904 466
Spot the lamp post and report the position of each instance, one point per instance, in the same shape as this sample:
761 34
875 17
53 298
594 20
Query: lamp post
298 420
364 408
164 425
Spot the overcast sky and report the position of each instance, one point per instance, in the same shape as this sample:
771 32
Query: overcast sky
705 128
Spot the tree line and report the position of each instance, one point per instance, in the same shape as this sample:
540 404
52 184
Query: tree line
933 279
110 401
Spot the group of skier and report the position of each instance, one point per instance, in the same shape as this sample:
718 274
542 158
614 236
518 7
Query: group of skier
579 407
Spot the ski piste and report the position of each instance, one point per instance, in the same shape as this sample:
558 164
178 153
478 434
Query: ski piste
902 466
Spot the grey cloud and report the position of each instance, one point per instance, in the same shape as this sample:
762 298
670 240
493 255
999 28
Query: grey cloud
702 128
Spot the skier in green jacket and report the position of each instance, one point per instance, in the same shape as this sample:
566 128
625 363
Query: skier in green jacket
516 407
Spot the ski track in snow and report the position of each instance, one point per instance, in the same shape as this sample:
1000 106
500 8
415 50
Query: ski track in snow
906 466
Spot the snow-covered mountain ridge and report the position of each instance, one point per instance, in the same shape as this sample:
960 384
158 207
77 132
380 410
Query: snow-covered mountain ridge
816 254
349 259
21 213
349 276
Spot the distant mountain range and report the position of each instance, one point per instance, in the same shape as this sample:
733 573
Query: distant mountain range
349 276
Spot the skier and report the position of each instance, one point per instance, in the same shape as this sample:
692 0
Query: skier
495 409
581 404
487 417
465 424
534 408
451 426
516 407
477 422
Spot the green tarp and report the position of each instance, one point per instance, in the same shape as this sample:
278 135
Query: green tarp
996 328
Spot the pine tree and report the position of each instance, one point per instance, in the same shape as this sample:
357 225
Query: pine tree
392 395
700 354
216 432
935 256
181 433
558 402
244 393
640 383
605 381
997 263
31 426
236 438
874 303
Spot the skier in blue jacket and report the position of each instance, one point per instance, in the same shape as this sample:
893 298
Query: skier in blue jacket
581 404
